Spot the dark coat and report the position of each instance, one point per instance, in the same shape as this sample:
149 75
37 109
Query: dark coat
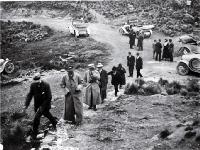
42 95
132 36
122 72
139 63
115 78
103 79
166 51
130 61
158 47
140 39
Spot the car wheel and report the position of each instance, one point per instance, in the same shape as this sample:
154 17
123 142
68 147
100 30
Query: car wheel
9 67
147 34
182 69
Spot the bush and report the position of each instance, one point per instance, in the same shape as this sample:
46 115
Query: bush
193 85
173 88
140 82
183 91
131 88
151 88
163 82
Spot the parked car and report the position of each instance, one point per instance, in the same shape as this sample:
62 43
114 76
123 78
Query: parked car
146 29
189 62
78 27
188 45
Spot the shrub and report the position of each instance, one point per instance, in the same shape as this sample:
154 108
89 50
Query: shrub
193 85
151 88
173 88
163 82
183 91
140 82
131 88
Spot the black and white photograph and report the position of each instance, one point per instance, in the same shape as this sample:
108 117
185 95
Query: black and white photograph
100 75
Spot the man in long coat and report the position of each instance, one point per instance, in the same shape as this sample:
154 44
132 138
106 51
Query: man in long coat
158 47
103 81
140 41
72 86
92 94
139 65
171 49
132 36
130 63
41 92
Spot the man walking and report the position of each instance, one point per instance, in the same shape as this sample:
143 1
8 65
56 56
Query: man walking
139 65
103 81
41 92
72 86
132 36
140 42
130 63
158 47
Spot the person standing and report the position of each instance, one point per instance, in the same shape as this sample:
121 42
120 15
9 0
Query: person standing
140 42
171 50
41 92
115 79
122 72
132 36
103 81
130 63
165 54
92 95
154 48
158 47
72 86
139 65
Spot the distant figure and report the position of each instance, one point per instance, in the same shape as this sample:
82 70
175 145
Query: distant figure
165 55
171 50
132 36
158 47
122 72
103 81
154 48
92 95
139 65
115 79
130 63
140 42
41 92
72 86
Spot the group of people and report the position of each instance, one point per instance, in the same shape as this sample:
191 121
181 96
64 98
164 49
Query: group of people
163 51
132 37
95 81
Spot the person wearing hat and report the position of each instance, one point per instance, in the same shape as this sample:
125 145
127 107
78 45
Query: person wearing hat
72 87
92 94
103 81
41 92
139 65
165 54
130 63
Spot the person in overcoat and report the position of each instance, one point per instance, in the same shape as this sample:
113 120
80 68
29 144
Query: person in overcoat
158 47
103 81
92 94
115 79
165 54
139 65
72 85
41 92
154 48
171 50
140 42
132 36
130 63
122 72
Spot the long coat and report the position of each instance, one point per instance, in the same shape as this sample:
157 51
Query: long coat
130 61
122 72
116 78
158 47
42 95
139 63
103 79
92 91
132 36
73 97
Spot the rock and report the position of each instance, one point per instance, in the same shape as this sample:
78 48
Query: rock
164 134
190 134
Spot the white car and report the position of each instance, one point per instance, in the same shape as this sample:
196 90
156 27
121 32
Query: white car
189 62
146 29
78 28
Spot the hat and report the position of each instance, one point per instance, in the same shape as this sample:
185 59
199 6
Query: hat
37 76
99 65
69 68
91 66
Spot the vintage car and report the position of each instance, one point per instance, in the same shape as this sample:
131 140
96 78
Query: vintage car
145 29
188 45
189 62
78 27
